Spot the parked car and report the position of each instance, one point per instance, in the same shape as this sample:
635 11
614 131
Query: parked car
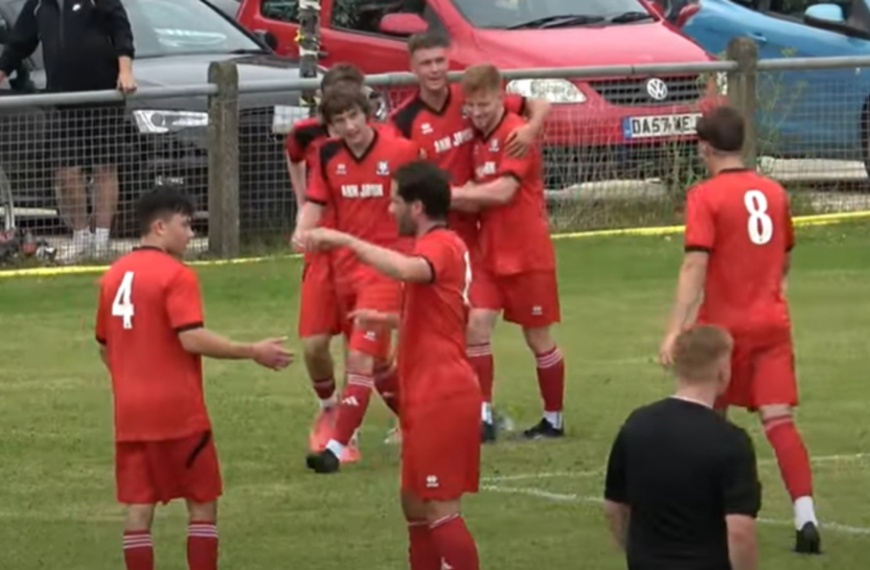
228 7
622 122
175 40
805 113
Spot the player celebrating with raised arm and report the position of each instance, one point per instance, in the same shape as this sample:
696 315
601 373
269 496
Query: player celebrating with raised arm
440 394
519 264
738 241
319 316
352 177
150 329
435 118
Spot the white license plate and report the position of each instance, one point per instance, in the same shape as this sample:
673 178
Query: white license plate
655 126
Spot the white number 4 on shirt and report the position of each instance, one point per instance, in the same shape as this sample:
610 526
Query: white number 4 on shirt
122 306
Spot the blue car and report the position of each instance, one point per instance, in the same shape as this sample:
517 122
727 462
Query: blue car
806 113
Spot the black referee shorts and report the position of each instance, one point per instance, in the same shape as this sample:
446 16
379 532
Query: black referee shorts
87 136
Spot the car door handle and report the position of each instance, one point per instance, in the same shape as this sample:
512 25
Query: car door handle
758 37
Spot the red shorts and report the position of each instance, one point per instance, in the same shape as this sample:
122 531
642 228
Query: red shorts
441 449
151 472
762 374
530 300
369 290
318 303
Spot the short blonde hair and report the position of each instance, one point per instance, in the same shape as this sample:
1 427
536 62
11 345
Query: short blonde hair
699 349
483 77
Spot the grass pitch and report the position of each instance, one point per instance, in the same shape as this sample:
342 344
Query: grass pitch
538 507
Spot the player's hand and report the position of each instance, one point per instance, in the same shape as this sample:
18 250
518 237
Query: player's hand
271 353
370 318
520 140
298 241
325 239
126 83
666 351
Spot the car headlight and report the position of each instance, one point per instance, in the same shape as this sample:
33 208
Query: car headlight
285 116
552 90
161 121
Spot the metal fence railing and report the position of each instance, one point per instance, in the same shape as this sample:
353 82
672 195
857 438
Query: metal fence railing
619 148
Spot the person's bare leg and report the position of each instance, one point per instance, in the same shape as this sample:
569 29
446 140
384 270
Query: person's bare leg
72 203
105 204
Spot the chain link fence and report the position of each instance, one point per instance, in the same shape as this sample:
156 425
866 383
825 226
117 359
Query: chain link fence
619 147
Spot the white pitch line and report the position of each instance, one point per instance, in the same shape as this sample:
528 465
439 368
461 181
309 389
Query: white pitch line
594 473
588 500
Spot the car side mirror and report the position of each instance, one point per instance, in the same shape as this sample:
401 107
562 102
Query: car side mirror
828 13
267 39
403 24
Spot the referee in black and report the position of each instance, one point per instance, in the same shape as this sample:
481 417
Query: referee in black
87 45
682 491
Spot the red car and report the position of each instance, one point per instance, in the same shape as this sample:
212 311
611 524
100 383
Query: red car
599 127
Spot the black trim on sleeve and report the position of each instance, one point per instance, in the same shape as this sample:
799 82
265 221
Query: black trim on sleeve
404 118
189 327
328 151
431 268
314 201
309 133
698 249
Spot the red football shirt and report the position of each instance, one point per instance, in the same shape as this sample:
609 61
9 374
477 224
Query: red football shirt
432 356
515 238
146 298
445 135
358 190
743 220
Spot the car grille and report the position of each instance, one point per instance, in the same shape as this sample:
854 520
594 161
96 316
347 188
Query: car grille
634 92
265 197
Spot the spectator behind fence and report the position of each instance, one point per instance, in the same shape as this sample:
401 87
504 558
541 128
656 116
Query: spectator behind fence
86 45
682 490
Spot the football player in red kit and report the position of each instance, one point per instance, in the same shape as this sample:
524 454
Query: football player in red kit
518 269
440 394
436 119
738 241
319 316
150 329
352 178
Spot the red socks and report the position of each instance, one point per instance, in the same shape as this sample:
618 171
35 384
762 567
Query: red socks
422 553
480 357
454 543
353 406
387 384
325 388
202 546
138 550
551 379
791 455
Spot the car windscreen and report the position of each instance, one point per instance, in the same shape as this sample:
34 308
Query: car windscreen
514 14
179 27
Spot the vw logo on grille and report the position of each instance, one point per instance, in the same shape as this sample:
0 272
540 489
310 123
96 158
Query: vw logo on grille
657 89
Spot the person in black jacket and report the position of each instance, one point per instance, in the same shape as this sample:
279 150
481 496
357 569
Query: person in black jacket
682 490
87 45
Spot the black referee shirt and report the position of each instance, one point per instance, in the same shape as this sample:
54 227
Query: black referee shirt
681 468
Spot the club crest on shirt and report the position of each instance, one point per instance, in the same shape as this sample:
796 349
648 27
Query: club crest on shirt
493 145
426 128
341 169
383 168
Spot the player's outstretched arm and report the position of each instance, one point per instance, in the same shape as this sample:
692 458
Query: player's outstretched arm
491 194
391 263
297 173
309 218
269 353
690 287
